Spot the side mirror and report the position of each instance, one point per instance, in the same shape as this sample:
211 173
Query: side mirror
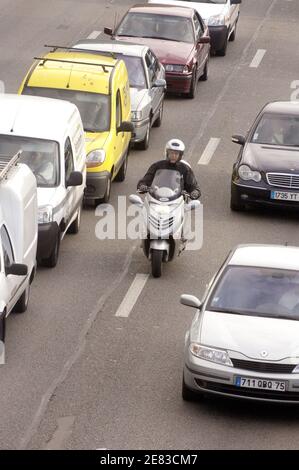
239 139
134 199
204 40
159 83
75 179
125 127
192 205
190 301
17 269
108 31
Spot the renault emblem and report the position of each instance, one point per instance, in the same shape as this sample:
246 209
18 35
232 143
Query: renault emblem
264 354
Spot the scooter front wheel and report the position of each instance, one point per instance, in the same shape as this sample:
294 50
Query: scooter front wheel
157 256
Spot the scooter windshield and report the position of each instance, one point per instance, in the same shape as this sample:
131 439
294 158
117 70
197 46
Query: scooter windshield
166 185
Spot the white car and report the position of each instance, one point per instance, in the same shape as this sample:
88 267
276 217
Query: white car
50 134
18 238
147 84
221 17
244 338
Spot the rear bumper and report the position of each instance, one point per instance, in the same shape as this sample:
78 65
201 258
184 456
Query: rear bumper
96 185
47 237
218 35
178 83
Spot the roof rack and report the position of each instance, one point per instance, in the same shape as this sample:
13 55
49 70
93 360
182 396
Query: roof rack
77 49
47 59
7 162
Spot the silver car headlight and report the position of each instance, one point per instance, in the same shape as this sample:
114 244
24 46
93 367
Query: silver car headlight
136 115
95 158
45 214
246 173
217 20
219 356
175 68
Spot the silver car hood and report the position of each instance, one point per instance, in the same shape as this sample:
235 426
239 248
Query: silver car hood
251 335
137 96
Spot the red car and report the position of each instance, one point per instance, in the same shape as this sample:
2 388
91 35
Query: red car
177 35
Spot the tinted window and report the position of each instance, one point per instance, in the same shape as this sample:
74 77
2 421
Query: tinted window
94 107
8 255
172 28
68 159
277 129
257 292
42 157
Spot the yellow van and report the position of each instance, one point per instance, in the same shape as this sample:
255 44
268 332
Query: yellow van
99 86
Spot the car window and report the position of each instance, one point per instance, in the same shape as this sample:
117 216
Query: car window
198 27
135 69
8 255
68 159
150 67
118 109
277 129
257 291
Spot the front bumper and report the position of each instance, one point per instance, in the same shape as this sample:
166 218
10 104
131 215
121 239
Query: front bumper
218 35
178 82
96 185
47 237
140 129
250 194
214 379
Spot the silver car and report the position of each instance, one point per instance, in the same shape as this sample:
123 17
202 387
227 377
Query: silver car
244 338
147 84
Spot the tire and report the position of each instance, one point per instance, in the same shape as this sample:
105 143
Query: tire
105 199
75 226
22 303
121 175
143 145
187 394
193 87
236 206
158 121
157 256
205 74
222 52
2 326
233 35
51 262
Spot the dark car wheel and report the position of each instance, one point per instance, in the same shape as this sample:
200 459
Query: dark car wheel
51 261
121 175
233 35
189 395
143 145
205 74
158 121
222 52
22 303
75 226
236 205
193 86
105 199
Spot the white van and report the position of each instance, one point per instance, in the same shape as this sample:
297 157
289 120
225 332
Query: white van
50 134
18 238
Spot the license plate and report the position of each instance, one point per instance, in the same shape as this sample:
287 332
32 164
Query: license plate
262 384
285 196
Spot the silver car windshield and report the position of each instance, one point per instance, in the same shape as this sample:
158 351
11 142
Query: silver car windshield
42 157
276 129
148 25
166 185
257 292
94 108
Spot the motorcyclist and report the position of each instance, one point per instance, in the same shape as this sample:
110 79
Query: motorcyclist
174 151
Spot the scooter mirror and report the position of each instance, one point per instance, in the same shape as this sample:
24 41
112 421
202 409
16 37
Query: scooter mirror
134 199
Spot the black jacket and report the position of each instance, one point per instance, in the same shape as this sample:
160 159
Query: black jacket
189 180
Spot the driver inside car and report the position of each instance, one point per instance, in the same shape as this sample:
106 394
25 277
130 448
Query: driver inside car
41 166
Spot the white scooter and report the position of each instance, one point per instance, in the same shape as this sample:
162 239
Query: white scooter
163 210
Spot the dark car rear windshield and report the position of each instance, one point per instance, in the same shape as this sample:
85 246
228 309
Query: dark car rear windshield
257 292
149 25
277 129
94 108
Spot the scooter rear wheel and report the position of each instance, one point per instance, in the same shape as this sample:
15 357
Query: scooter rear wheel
157 256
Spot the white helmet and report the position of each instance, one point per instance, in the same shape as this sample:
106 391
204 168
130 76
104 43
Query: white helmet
175 144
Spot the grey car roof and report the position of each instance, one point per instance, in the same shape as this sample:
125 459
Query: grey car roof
119 47
283 107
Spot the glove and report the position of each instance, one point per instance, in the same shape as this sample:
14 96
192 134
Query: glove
142 188
195 194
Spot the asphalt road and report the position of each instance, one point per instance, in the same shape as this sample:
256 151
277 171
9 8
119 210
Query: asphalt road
77 376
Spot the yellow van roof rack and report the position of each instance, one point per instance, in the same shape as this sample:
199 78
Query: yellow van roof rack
77 49
48 59
7 162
